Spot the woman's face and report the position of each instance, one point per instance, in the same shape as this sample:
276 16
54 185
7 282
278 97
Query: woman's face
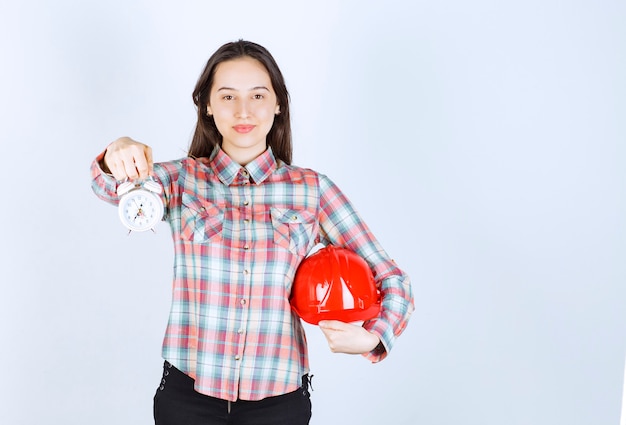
243 104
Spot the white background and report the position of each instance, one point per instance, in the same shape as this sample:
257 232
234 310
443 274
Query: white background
483 142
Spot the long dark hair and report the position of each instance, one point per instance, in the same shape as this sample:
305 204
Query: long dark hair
206 135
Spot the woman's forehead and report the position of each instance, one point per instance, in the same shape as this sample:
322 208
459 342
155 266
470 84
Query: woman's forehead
243 73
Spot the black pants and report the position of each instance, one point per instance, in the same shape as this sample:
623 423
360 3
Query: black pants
177 403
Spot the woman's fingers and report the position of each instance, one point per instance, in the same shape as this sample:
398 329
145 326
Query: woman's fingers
128 159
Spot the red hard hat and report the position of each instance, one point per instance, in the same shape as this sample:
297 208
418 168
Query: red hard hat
334 284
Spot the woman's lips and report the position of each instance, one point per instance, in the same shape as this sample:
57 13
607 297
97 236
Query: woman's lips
243 128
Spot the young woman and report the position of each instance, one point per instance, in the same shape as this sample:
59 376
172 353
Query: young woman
242 220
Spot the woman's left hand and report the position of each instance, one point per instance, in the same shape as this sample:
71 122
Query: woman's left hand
348 338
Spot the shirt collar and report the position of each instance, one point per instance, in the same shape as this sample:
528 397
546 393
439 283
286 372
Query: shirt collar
227 170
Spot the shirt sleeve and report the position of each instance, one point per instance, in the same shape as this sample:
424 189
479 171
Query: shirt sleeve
341 225
103 184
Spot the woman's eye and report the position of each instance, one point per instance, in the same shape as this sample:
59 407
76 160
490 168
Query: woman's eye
258 96
228 97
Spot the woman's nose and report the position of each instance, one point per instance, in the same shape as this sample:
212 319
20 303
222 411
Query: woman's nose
243 109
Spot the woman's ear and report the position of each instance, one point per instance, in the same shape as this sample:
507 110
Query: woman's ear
277 110
208 110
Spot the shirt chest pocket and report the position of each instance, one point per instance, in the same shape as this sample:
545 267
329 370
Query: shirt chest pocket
293 229
201 221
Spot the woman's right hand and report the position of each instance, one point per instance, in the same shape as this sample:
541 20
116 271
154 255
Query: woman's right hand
128 159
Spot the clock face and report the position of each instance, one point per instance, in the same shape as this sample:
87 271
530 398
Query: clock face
140 210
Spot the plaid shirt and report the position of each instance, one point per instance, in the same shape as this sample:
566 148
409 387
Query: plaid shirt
239 235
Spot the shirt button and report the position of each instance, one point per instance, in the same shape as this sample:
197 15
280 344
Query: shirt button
246 202
243 302
246 271
246 220
237 358
246 247
240 331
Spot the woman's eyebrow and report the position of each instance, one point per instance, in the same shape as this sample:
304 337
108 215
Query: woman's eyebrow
252 89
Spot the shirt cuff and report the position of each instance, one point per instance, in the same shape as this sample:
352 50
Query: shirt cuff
99 162
385 333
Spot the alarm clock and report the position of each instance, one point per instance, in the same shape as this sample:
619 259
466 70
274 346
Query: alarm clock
140 206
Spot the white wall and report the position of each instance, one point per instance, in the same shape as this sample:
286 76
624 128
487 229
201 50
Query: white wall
484 143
